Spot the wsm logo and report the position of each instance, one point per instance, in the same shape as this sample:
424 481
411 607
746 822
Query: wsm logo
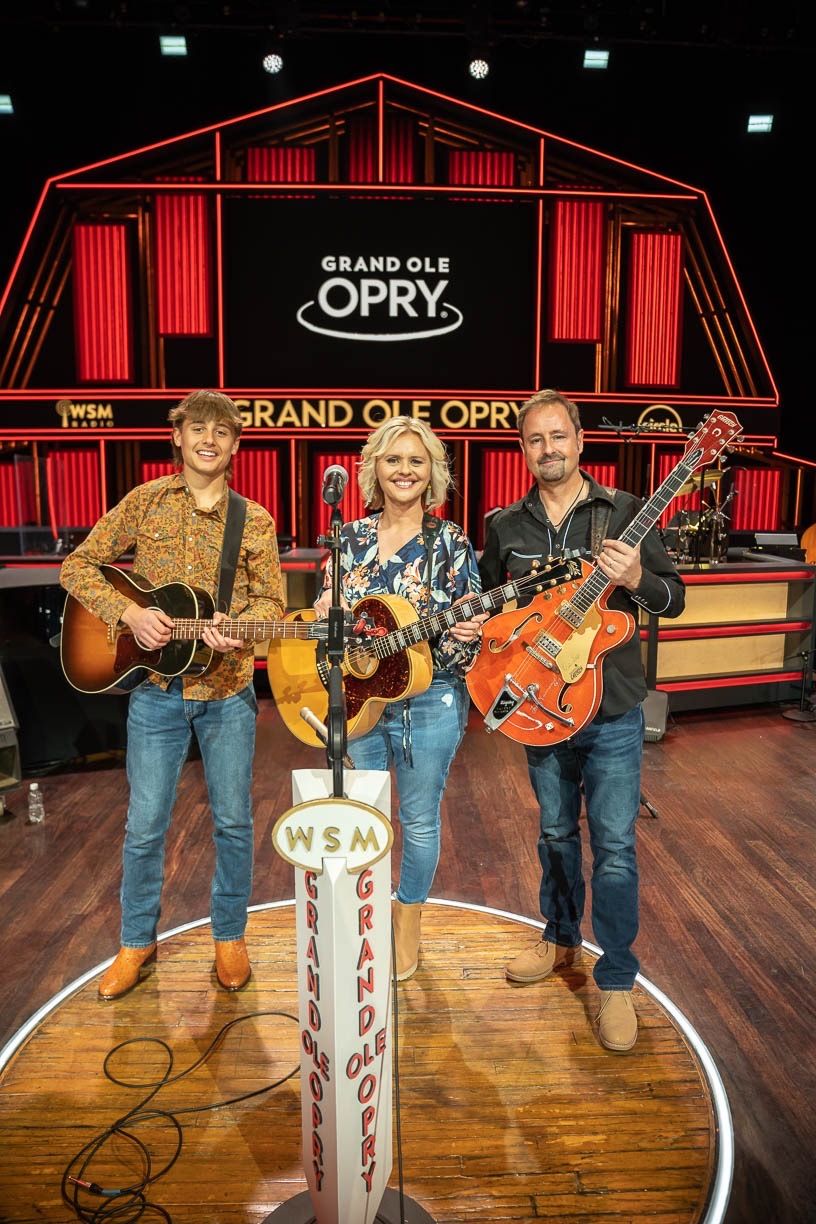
404 302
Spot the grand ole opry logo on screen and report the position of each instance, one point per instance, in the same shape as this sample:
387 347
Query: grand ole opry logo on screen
382 298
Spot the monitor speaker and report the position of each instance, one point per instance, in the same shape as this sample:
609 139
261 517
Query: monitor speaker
10 772
655 712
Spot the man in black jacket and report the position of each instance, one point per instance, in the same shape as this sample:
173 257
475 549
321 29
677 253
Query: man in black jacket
564 510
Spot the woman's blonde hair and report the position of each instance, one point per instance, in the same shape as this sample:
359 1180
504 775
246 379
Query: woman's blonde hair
382 440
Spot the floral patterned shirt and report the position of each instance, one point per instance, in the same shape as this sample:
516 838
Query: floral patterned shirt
175 541
454 573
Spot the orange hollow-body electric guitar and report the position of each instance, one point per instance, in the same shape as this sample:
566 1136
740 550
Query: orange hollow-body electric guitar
538 677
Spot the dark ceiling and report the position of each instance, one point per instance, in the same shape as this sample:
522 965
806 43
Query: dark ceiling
660 22
87 81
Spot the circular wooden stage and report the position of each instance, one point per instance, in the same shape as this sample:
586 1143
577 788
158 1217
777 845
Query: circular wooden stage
510 1110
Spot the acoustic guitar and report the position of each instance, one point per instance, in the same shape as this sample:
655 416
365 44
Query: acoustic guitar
538 677
98 659
389 659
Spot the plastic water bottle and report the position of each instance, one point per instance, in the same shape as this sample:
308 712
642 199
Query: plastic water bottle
36 807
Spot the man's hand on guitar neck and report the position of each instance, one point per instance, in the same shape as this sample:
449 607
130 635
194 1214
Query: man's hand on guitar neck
217 641
150 626
152 629
621 564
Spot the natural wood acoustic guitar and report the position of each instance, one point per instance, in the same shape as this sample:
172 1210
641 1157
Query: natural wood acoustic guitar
98 659
538 677
389 659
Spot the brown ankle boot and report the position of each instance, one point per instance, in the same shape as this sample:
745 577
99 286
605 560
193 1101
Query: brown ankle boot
232 967
130 966
617 1020
538 962
406 920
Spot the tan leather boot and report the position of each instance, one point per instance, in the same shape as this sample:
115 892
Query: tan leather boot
232 967
617 1020
536 963
406 920
129 968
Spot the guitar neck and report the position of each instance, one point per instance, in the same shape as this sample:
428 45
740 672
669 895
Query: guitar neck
246 630
594 586
429 626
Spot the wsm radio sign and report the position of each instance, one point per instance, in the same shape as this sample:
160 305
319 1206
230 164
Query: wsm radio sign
376 298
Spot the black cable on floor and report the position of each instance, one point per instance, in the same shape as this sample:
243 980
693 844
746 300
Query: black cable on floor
127 1204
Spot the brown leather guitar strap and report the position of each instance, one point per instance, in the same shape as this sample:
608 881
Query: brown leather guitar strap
599 518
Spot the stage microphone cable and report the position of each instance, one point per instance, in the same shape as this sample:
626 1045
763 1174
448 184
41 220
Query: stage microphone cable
127 1204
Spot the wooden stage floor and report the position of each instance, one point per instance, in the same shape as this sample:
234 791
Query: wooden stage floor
510 1108
728 914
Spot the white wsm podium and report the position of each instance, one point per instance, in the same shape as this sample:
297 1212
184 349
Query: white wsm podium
340 848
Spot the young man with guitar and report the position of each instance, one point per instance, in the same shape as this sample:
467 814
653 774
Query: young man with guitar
401 549
566 509
186 528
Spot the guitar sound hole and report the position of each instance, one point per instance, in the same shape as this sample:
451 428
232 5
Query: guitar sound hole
362 664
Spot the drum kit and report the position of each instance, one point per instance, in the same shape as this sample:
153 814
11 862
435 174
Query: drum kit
700 536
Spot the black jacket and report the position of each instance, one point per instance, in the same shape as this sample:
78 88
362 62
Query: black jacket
522 533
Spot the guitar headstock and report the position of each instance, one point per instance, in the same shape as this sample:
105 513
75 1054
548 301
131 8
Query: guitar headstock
718 433
551 572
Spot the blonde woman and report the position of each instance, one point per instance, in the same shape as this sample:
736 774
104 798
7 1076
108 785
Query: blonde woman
399 548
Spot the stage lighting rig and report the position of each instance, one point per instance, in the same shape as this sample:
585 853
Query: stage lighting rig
478 67
273 62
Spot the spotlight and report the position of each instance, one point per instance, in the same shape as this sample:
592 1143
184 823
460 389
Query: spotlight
478 68
760 123
596 59
173 44
6 105
273 62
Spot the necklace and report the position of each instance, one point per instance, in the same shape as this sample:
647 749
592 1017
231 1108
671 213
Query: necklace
557 526
566 518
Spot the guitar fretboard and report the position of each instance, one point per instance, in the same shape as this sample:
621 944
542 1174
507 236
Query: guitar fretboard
429 626
247 630
594 586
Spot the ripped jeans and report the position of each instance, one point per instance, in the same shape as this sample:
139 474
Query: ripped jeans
420 743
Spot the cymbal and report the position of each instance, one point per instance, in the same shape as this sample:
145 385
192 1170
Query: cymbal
692 485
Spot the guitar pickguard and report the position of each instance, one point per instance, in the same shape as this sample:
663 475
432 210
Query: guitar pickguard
574 653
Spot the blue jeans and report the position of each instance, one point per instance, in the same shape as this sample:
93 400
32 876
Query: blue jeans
606 757
160 727
420 742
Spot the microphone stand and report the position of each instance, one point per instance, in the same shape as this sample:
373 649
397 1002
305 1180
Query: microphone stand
335 648
802 713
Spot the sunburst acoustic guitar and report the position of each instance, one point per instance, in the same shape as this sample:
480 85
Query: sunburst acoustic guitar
98 659
389 660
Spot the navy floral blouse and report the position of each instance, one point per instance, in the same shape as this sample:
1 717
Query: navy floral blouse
454 573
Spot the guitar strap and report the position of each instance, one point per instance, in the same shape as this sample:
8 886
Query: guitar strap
230 545
600 515
430 529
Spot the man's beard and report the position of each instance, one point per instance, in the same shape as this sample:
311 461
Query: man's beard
551 471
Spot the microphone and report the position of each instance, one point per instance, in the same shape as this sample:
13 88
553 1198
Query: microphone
335 479
321 730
